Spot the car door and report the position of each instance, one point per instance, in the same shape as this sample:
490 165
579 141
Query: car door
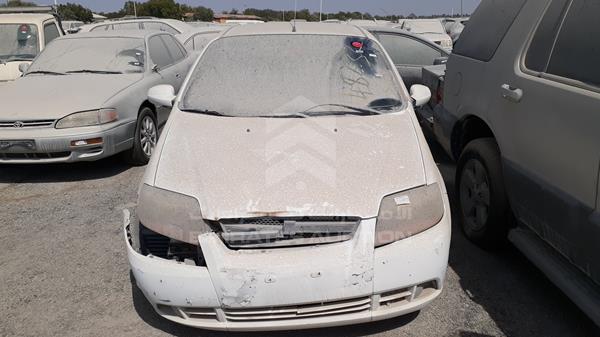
548 110
409 55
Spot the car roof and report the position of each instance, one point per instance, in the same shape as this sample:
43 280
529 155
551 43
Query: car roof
201 30
179 25
24 18
139 34
310 28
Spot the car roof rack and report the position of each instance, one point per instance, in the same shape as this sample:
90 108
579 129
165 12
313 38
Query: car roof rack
28 10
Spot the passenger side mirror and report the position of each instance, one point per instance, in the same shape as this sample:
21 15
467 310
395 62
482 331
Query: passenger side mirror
440 60
420 94
162 95
23 67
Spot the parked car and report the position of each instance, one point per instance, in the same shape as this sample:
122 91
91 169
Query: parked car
84 98
409 52
196 40
24 32
166 25
236 214
520 114
431 29
72 27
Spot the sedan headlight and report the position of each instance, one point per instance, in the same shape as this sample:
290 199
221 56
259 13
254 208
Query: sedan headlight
88 118
171 214
408 213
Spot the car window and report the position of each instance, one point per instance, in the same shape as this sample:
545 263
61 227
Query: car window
18 41
297 74
173 47
127 26
160 26
487 27
99 28
545 35
576 52
50 32
408 51
159 53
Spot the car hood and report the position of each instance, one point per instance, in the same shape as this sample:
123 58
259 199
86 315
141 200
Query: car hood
326 166
10 71
52 97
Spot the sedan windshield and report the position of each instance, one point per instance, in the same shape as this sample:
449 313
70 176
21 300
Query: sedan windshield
18 42
91 55
292 76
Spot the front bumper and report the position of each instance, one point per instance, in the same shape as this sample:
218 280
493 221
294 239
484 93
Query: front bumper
54 145
297 288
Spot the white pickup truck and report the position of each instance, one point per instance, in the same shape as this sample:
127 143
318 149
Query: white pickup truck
24 32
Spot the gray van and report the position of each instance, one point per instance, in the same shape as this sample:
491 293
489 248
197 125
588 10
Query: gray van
521 115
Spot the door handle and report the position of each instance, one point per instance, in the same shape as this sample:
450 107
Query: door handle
511 93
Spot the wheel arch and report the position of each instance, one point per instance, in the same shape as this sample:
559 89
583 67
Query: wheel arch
466 130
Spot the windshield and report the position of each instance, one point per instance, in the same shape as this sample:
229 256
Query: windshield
19 41
101 55
426 27
288 75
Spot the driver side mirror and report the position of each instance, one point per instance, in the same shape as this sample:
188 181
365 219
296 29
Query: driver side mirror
162 95
420 94
23 67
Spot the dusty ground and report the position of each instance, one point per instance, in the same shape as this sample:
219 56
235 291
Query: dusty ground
63 270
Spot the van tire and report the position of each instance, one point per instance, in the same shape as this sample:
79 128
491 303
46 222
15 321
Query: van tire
483 204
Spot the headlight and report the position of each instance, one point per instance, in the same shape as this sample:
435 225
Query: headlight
171 214
446 43
88 118
408 213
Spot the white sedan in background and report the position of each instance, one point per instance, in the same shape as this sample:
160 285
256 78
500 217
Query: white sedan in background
307 198
431 29
85 98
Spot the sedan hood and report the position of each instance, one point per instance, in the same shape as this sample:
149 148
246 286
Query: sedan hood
326 166
10 71
55 96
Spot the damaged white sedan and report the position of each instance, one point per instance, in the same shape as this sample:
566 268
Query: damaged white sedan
292 187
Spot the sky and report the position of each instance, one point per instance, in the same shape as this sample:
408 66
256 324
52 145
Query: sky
375 7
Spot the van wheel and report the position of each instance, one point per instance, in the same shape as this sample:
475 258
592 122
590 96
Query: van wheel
483 204
145 138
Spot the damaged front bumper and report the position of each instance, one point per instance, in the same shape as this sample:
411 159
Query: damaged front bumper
296 288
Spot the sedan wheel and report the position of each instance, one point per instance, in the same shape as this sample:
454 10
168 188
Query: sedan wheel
145 139
149 136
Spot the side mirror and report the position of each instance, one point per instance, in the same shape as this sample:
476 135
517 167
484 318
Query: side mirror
155 68
440 60
162 95
420 94
23 67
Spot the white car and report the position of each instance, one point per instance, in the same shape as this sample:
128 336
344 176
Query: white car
24 32
72 27
165 25
84 98
196 40
431 29
305 196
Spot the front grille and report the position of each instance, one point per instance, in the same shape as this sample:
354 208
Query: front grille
34 156
26 124
300 311
281 232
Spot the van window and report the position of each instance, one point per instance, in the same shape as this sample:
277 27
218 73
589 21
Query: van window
487 27
576 52
50 32
545 35
159 53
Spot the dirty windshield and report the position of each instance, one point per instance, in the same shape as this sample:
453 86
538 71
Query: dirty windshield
18 42
292 75
92 55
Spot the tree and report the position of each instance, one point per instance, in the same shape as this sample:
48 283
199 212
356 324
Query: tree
75 12
18 3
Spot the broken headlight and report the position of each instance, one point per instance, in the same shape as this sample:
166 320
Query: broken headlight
408 213
172 214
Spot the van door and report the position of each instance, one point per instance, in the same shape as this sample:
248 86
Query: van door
547 107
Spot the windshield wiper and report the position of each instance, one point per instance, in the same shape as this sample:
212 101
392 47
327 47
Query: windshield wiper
88 71
206 112
353 111
44 72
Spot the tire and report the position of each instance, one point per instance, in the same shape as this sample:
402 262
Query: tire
135 232
483 205
145 138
